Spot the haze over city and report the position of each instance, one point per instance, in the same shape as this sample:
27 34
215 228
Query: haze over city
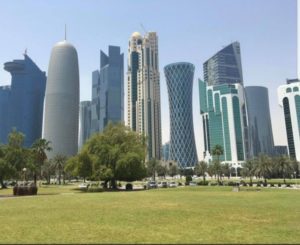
189 31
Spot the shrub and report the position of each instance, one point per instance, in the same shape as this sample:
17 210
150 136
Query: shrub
202 182
279 184
179 184
23 190
129 187
188 179
231 183
213 183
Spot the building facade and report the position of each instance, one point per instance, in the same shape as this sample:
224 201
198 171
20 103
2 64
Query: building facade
22 103
108 90
62 100
221 107
225 67
259 121
84 122
179 77
144 90
289 100
280 150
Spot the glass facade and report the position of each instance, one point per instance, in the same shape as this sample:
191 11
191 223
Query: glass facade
260 127
84 122
297 104
108 90
179 77
24 100
224 67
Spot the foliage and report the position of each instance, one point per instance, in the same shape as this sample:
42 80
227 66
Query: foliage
248 169
59 162
284 166
217 151
152 166
263 167
200 169
162 170
173 170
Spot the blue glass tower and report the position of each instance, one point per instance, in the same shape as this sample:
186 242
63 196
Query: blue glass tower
179 77
225 67
5 92
108 90
26 99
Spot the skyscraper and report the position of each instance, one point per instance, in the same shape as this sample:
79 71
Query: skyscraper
23 108
108 90
221 107
225 67
259 121
289 99
62 100
84 122
179 77
144 90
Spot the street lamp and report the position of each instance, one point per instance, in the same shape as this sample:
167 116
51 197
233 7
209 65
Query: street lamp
24 171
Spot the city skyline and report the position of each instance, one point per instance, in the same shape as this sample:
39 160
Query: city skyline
268 41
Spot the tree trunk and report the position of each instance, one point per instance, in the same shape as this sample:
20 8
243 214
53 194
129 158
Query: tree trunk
284 180
3 186
59 176
34 178
250 180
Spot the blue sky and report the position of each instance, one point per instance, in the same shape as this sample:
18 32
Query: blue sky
189 30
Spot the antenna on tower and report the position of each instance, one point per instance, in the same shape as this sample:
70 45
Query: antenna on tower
144 29
65 32
25 52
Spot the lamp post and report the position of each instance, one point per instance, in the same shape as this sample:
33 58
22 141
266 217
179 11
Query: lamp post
24 171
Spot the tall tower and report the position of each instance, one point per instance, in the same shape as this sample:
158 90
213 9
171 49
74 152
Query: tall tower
108 90
225 67
62 100
84 122
179 77
260 127
25 102
144 90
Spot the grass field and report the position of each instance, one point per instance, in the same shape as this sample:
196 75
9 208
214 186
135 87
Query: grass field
180 215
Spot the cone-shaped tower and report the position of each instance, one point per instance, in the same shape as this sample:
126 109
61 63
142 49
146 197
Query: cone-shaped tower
62 100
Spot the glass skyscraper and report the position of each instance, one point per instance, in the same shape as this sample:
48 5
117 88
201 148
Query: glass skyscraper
225 67
221 107
179 77
259 121
108 90
84 122
289 100
144 90
22 104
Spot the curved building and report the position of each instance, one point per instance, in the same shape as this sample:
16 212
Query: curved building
179 77
260 127
62 100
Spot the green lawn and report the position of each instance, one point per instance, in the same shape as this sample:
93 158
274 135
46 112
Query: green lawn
180 215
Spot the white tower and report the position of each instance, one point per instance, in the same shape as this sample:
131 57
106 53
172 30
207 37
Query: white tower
62 100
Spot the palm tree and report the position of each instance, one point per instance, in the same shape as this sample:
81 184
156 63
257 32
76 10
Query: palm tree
263 167
217 167
152 166
201 169
248 169
59 163
284 166
226 170
39 148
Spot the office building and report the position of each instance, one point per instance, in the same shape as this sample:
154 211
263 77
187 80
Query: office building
259 121
22 102
165 151
280 150
179 77
225 67
289 100
108 90
84 122
62 100
144 90
221 107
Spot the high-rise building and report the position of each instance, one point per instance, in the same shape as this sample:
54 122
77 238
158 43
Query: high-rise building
5 92
179 77
166 151
108 90
259 121
62 100
84 122
280 150
22 103
144 90
289 100
221 107
225 67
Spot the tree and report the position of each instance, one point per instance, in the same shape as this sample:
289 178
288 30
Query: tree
173 170
162 171
210 170
152 166
263 167
106 149
48 169
217 168
6 170
217 151
248 169
225 169
201 169
39 156
59 162
284 166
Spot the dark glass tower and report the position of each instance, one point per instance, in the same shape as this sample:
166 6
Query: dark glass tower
84 122
108 90
26 99
260 127
179 77
225 67
5 92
